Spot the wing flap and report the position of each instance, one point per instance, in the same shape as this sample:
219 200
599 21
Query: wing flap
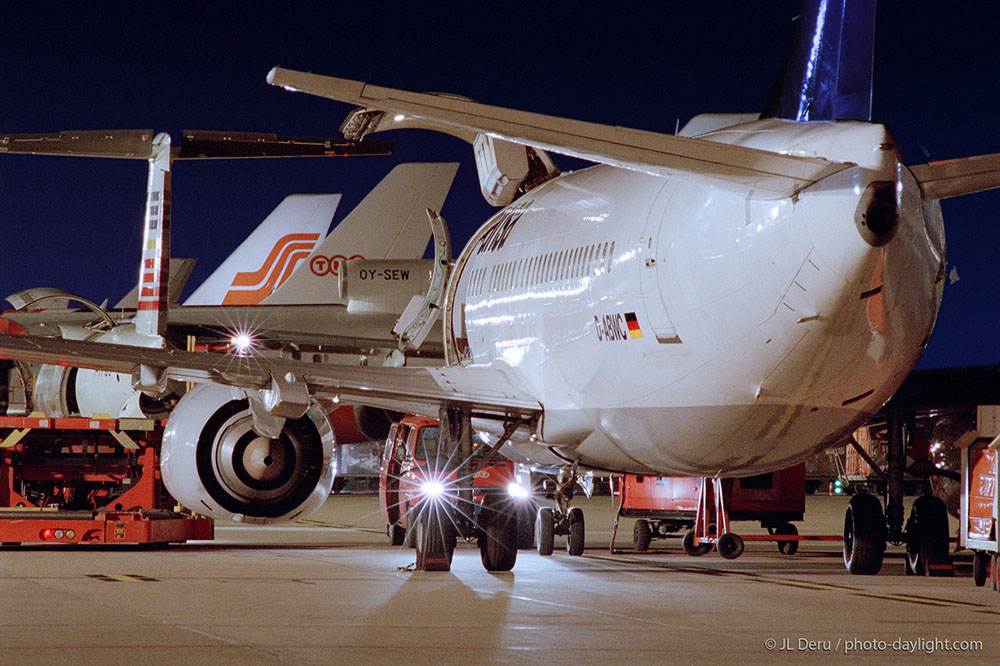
725 165
958 177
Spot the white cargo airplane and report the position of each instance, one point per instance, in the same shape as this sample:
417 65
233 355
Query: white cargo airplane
724 302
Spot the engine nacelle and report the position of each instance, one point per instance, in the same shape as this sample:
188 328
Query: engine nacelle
66 391
214 463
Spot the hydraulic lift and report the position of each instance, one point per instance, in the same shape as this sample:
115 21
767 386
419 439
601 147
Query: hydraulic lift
89 481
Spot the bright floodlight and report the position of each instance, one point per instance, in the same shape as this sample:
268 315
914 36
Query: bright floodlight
517 491
432 488
242 342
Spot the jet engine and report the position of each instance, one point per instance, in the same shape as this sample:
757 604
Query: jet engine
215 463
66 391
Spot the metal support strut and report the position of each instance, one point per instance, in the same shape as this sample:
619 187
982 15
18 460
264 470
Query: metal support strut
456 449
711 525
896 463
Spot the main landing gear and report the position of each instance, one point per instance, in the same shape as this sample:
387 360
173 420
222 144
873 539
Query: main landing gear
452 512
867 530
563 520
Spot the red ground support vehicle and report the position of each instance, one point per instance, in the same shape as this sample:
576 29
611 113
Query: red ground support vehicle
409 485
980 516
667 505
87 480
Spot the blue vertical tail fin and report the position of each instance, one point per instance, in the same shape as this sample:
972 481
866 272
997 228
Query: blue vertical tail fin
828 75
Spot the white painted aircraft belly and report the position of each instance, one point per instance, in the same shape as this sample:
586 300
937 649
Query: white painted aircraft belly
779 348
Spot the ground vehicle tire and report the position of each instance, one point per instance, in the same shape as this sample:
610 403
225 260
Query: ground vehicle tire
396 534
435 540
927 538
980 567
864 535
575 539
545 531
730 545
642 534
687 543
787 547
498 542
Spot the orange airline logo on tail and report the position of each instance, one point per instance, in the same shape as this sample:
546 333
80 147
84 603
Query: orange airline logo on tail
284 257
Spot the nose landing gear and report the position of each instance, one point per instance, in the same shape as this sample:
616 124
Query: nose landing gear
563 520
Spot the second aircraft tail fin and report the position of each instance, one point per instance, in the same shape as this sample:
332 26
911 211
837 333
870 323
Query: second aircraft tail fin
389 223
271 253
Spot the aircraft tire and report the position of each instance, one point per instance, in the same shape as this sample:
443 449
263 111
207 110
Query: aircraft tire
577 532
396 534
435 540
410 533
498 542
927 537
864 535
525 528
545 531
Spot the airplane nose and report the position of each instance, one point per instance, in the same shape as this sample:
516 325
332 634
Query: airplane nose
877 215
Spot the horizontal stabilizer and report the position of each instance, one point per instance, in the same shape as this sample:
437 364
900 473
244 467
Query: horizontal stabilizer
121 144
725 166
195 145
954 178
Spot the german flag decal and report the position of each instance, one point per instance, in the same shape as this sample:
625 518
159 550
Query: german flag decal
633 325
617 328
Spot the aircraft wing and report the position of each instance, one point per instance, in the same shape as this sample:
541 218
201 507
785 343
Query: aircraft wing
954 178
727 166
486 391
329 325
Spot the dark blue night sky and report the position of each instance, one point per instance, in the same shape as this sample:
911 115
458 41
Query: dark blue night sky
168 66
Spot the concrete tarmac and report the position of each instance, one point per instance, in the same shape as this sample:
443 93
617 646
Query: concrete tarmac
330 590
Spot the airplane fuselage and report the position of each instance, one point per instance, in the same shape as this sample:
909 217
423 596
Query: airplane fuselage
669 326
